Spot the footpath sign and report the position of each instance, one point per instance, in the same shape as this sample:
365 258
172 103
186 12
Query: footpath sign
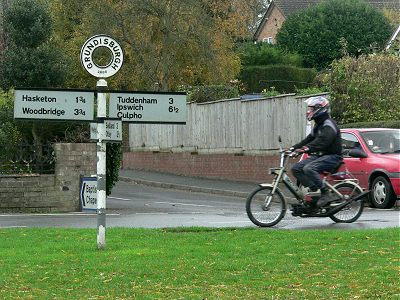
147 107
112 131
88 193
74 105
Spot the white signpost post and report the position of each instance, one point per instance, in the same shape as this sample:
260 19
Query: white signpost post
134 107
101 72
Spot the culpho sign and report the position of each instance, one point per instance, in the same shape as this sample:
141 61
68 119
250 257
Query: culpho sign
147 107
112 67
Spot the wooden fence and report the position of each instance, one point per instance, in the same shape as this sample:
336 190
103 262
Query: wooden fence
227 126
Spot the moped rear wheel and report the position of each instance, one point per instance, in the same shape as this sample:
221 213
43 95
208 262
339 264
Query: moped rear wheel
264 211
354 209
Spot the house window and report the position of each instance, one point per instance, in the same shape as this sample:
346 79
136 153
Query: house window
268 40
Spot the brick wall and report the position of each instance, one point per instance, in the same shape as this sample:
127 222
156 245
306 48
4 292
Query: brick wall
50 193
252 168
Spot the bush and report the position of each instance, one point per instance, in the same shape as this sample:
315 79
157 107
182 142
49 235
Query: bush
266 54
113 164
323 32
311 91
284 78
208 93
366 88
9 133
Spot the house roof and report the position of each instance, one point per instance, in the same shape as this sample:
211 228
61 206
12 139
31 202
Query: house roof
288 7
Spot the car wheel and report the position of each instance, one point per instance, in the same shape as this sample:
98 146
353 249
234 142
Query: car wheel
382 195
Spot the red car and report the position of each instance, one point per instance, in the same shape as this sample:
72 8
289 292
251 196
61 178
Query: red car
379 169
377 166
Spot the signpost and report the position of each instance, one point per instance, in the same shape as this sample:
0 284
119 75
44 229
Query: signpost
101 72
76 105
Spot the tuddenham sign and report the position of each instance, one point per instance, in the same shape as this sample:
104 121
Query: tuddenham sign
112 67
148 107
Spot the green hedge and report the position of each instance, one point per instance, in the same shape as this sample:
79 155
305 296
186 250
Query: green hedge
284 78
375 124
208 93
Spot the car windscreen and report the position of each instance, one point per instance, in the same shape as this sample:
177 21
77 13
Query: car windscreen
382 141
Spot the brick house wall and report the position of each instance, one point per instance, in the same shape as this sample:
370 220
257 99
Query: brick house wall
272 25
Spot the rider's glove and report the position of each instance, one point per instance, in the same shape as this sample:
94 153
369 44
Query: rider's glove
291 149
301 150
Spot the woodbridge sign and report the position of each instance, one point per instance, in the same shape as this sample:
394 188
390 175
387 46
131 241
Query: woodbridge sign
55 104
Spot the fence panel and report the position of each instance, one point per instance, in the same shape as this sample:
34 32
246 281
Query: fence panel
230 125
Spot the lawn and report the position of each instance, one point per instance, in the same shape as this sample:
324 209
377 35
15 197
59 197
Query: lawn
200 263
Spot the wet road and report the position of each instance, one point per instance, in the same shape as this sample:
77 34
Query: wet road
133 205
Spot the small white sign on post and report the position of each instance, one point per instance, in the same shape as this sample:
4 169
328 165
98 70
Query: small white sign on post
146 107
88 193
112 131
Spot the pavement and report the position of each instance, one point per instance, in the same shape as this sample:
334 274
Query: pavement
185 183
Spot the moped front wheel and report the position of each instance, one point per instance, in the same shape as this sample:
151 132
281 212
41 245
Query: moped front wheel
354 209
265 209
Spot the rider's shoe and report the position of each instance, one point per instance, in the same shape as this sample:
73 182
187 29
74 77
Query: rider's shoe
311 209
326 197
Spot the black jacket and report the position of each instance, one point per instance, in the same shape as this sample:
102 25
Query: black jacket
324 139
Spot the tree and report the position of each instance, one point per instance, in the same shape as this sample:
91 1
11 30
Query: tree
320 32
29 59
167 43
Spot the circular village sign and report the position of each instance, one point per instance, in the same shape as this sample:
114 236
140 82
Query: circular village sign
113 65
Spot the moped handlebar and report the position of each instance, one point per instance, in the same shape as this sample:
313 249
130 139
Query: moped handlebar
287 152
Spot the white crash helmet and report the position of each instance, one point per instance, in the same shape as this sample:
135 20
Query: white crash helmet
316 107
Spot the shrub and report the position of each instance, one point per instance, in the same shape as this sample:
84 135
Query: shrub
113 164
311 91
319 32
284 78
366 88
208 93
266 54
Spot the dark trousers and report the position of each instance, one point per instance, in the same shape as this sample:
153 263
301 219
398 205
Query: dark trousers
308 171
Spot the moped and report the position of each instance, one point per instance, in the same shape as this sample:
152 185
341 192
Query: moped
267 205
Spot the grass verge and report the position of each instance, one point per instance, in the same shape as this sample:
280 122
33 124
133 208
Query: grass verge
199 263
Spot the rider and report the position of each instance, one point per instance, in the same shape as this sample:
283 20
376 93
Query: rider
324 147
